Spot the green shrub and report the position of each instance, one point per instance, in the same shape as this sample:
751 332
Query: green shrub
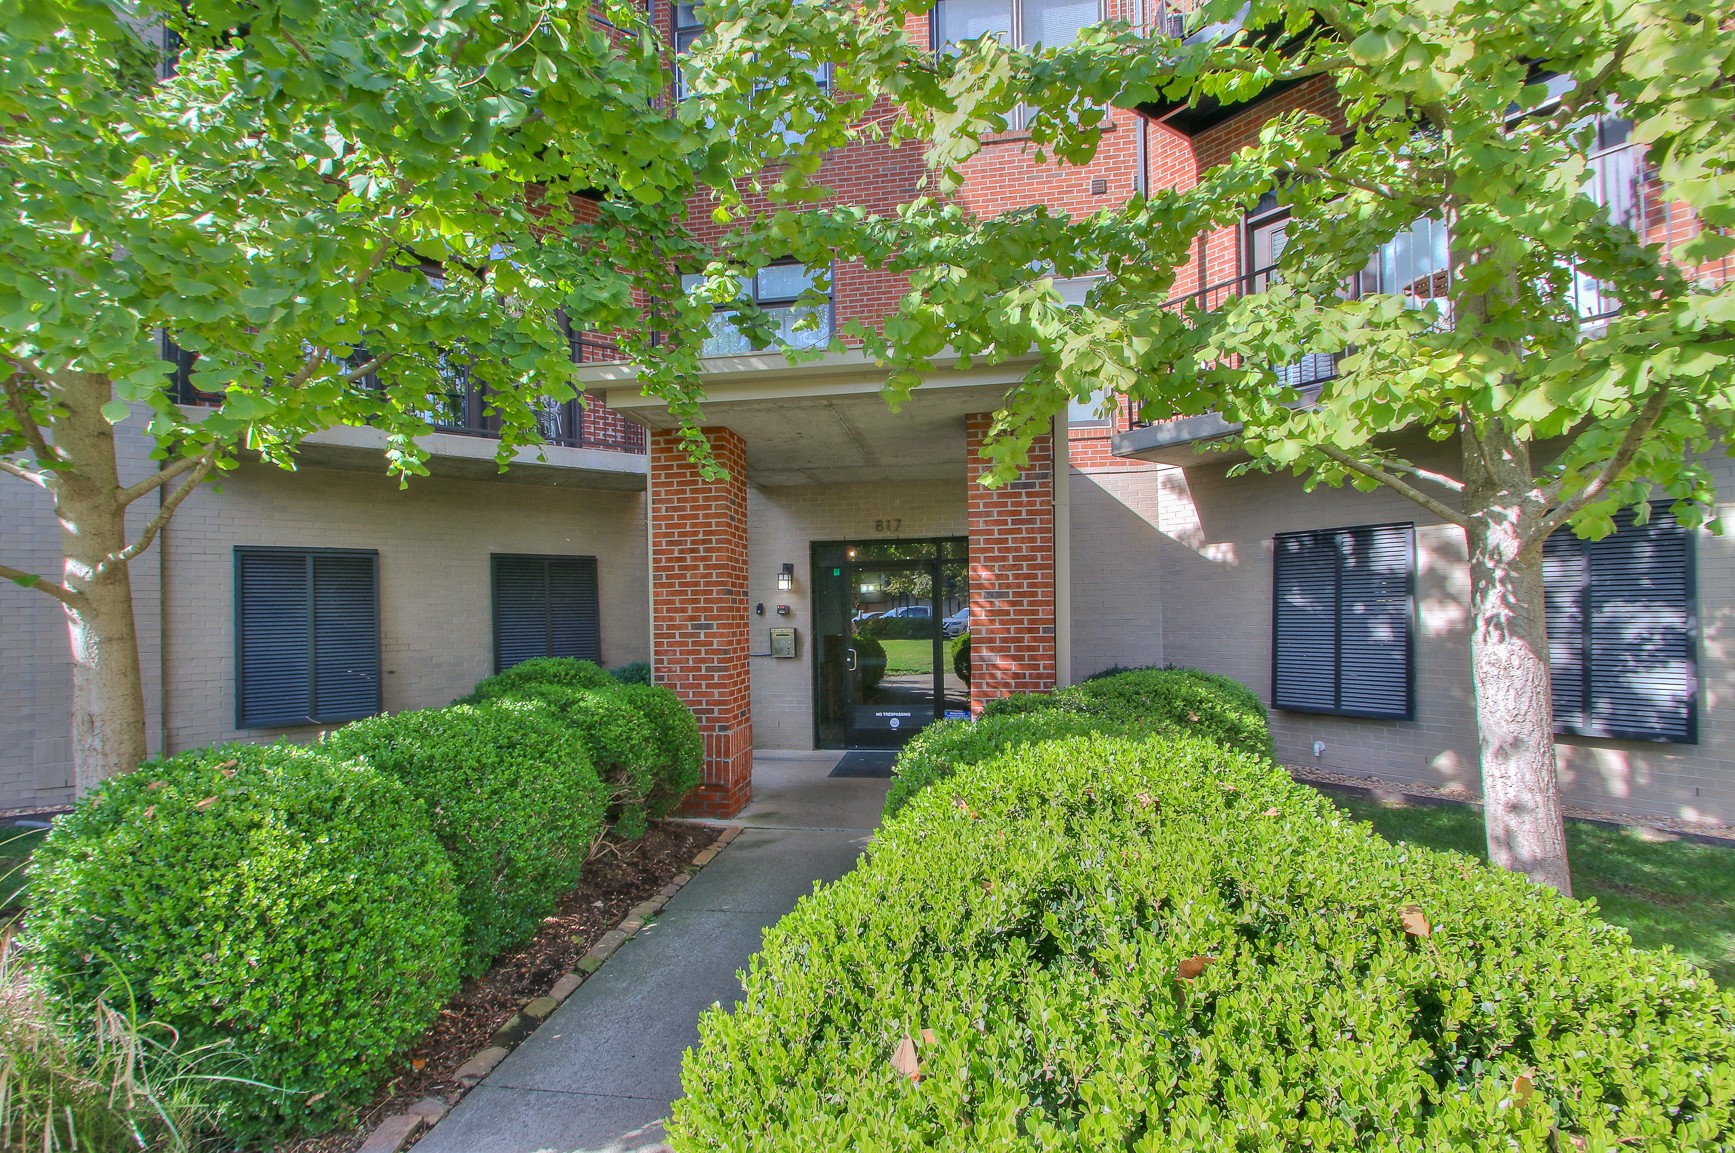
947 747
636 673
512 796
537 672
1099 943
270 898
1181 700
622 741
870 663
961 657
680 748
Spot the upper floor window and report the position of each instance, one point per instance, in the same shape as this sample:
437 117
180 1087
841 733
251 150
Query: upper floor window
777 290
1415 264
1016 23
689 25
1621 632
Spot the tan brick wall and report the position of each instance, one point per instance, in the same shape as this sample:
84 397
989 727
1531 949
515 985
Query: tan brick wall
36 692
434 541
1116 568
783 523
1215 545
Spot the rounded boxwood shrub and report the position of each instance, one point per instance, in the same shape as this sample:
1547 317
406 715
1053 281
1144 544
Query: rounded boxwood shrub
539 671
622 740
680 748
1098 943
946 747
1181 700
961 657
268 898
512 796
636 673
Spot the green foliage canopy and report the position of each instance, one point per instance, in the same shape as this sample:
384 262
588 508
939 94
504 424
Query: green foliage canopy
1476 114
340 208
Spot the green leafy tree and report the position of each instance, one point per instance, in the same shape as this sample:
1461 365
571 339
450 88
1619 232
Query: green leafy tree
341 209
1473 114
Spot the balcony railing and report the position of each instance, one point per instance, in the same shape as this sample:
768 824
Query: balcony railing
467 409
1413 265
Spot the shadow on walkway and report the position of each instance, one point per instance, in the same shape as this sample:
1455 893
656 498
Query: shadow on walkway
598 1076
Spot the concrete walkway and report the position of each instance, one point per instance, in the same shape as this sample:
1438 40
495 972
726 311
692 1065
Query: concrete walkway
598 1075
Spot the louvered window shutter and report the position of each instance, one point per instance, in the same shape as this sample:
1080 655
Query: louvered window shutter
307 636
346 636
1622 638
273 639
1342 609
545 607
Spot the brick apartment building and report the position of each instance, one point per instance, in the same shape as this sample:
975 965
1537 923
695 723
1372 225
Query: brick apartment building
1120 545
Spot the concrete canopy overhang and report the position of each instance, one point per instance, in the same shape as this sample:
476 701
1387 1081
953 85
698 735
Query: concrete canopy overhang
825 421
460 457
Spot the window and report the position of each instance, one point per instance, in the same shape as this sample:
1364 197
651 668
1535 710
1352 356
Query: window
1098 408
775 289
307 636
1415 264
1267 233
545 606
1621 631
689 25
1016 23
1343 602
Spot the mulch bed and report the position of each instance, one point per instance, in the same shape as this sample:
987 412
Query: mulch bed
622 874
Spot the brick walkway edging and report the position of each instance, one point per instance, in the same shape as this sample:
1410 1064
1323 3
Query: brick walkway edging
395 1132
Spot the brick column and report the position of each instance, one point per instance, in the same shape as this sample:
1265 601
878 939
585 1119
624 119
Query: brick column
699 629
1012 636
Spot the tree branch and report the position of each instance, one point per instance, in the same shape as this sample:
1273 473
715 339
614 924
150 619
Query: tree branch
156 480
41 584
20 406
1438 478
1628 448
22 473
363 369
121 556
1392 481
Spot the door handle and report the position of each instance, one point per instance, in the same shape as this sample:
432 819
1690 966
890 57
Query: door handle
849 660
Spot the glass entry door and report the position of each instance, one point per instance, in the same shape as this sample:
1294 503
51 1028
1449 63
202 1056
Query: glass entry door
888 620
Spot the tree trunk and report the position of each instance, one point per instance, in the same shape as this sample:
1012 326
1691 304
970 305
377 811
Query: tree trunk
108 701
1509 660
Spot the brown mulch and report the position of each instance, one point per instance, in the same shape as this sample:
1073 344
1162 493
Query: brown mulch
619 876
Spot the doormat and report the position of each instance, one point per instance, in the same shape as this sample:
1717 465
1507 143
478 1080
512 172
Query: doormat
866 763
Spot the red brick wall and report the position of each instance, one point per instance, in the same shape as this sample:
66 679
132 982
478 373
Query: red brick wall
699 629
1004 175
1012 640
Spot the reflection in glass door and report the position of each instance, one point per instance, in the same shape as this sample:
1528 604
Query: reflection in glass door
888 617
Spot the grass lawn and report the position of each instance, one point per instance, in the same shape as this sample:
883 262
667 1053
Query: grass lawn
15 848
909 656
1676 893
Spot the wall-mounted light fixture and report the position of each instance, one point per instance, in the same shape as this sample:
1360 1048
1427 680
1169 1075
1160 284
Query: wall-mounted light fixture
786 577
